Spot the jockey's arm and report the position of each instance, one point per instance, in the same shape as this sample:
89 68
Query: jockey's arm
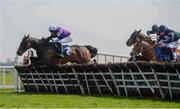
169 39
161 43
53 34
66 40
150 32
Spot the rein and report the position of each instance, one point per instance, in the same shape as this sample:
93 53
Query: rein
148 48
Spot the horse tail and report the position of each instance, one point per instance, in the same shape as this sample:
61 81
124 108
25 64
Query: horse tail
93 51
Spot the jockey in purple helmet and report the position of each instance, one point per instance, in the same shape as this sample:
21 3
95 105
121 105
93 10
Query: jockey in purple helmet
62 36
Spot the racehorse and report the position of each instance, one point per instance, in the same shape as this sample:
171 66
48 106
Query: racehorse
145 46
47 53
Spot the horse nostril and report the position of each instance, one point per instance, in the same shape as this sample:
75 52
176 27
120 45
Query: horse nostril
18 53
127 43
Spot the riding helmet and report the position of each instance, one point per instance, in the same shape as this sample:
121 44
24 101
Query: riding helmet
162 28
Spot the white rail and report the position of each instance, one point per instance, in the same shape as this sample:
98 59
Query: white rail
108 58
3 70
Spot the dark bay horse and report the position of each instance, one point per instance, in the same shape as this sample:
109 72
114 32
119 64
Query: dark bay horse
47 53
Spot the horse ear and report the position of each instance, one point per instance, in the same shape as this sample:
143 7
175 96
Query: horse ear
139 31
28 35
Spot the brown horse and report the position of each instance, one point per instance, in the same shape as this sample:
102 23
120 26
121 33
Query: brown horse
147 48
47 53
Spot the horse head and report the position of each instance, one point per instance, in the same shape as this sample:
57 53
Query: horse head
26 43
133 38
23 45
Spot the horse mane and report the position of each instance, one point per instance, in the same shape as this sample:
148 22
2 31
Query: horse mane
145 38
43 40
41 44
35 40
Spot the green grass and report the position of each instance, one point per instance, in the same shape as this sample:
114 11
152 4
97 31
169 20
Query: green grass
9 99
9 77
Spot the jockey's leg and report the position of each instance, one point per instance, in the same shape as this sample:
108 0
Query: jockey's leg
171 54
174 45
64 49
59 48
159 53
66 40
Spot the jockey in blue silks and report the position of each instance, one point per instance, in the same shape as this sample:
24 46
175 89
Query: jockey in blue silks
168 40
61 37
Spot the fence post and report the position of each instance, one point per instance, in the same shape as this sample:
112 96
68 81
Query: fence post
98 58
4 79
16 85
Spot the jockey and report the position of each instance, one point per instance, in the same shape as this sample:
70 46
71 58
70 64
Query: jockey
168 39
60 38
155 29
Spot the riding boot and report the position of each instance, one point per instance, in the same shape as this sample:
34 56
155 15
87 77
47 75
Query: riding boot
171 55
60 54
59 49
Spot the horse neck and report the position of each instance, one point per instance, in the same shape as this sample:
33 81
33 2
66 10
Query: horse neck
35 45
143 37
34 42
149 50
43 46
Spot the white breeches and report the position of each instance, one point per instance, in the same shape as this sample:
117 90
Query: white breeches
174 44
64 41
